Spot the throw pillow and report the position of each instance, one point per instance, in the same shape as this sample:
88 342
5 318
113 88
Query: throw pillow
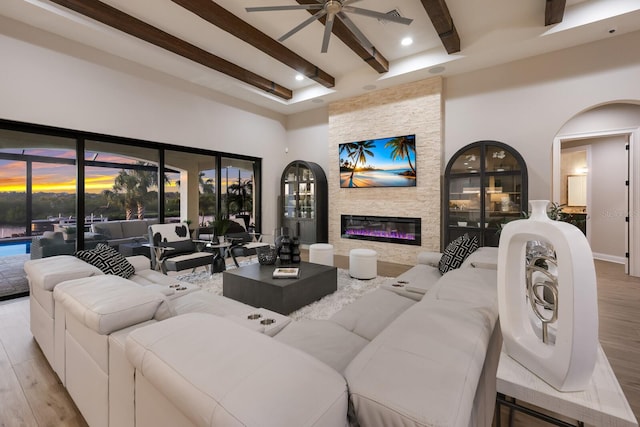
108 260
456 252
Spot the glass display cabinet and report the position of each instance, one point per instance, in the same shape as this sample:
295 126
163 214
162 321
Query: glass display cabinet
485 187
304 202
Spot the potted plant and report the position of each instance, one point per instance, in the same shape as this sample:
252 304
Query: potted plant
221 226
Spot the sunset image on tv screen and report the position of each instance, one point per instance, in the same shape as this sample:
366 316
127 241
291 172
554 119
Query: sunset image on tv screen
383 162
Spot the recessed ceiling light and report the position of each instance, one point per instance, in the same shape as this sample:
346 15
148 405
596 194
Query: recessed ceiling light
299 77
317 100
436 69
407 41
369 87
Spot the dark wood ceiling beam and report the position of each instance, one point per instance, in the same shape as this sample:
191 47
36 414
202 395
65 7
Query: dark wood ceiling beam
554 11
222 18
443 23
370 56
119 20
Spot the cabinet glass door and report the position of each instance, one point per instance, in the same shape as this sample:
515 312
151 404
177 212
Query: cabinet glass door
306 193
464 202
486 188
467 162
502 199
499 159
290 189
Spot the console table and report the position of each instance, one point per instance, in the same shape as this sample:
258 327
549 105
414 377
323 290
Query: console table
602 404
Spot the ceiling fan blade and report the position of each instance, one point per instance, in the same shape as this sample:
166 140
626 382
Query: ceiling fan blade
315 17
328 26
355 30
379 15
296 7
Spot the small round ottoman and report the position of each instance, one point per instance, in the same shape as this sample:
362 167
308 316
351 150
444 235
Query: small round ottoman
321 253
363 263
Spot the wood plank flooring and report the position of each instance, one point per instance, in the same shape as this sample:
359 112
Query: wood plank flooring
31 395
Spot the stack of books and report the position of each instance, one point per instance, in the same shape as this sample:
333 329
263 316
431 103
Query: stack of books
286 273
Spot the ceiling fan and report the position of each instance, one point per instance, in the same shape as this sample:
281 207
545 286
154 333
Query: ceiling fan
333 9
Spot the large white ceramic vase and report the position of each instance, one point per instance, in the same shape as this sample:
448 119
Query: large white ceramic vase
565 362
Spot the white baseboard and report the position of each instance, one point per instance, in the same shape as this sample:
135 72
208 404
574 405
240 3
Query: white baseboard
610 258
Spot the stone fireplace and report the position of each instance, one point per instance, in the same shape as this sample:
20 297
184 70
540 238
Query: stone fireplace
414 108
386 229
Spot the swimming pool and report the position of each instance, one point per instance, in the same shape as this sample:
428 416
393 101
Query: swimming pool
14 248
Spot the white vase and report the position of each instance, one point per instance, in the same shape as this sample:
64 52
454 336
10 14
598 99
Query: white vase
567 361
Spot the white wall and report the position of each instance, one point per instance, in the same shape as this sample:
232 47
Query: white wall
42 81
526 103
308 137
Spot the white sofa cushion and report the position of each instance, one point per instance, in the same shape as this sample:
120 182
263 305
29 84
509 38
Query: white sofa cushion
424 368
326 341
417 281
218 373
206 302
474 286
370 314
483 257
46 273
429 258
107 303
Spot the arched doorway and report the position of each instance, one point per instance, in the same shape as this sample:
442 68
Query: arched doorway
605 139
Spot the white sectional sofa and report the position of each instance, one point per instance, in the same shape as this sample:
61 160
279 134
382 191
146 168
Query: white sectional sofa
46 273
423 353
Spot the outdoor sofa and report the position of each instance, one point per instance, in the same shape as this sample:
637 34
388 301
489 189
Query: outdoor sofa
125 231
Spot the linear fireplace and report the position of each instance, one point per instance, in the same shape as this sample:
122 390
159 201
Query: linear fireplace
381 229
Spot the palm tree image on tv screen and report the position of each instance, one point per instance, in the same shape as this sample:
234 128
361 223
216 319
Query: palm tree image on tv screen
382 162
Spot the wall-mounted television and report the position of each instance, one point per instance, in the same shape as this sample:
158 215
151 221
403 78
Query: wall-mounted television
382 162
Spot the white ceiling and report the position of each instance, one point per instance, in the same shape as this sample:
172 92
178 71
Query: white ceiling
491 32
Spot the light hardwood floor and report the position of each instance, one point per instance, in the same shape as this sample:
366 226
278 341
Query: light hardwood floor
30 394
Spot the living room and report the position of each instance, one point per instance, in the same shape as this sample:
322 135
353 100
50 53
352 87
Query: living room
527 104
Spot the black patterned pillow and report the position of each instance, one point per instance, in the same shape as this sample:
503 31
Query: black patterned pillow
456 252
108 260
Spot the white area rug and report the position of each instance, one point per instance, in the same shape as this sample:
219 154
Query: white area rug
349 290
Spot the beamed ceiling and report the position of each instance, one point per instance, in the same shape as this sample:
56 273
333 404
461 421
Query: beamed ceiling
221 47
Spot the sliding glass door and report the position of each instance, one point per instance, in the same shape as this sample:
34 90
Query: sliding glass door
55 179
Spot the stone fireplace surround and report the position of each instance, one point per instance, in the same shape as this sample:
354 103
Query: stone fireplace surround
413 108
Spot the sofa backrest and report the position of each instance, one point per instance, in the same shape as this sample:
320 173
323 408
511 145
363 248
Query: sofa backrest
134 228
108 229
123 229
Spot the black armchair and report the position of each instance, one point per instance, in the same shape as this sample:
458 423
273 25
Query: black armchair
242 242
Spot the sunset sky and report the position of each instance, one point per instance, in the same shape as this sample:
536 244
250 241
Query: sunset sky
57 178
